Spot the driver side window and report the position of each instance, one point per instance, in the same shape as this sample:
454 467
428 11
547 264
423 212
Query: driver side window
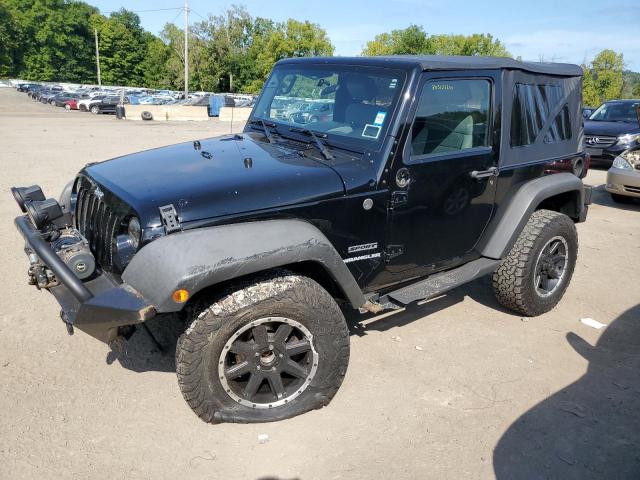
452 115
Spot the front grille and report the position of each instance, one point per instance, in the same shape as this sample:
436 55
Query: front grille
97 222
600 141
631 189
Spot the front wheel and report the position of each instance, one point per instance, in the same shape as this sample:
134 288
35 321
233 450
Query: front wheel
532 279
271 349
95 110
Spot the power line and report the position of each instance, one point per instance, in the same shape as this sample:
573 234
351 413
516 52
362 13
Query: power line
146 11
193 11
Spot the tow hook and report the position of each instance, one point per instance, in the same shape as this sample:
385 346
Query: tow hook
67 324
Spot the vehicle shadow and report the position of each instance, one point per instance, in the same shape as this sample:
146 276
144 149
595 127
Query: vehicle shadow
589 429
142 353
601 197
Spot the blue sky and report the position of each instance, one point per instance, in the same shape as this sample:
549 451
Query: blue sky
563 31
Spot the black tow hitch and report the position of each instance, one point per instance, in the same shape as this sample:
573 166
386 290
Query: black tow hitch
67 323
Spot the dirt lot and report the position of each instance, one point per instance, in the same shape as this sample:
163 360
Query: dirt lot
455 388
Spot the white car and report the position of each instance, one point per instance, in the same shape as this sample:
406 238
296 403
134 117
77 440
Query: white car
85 105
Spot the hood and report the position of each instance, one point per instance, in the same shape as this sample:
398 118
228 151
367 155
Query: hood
215 177
612 129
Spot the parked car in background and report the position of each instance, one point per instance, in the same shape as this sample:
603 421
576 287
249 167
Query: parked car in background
613 128
71 104
623 178
579 166
85 104
62 99
25 87
107 105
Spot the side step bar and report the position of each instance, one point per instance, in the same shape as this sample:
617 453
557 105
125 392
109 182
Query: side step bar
439 283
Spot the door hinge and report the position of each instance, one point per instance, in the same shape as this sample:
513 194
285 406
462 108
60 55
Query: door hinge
393 251
170 218
399 197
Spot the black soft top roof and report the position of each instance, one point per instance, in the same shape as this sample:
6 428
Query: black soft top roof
446 62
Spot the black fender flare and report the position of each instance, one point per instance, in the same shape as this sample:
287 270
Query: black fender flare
199 258
502 232
65 197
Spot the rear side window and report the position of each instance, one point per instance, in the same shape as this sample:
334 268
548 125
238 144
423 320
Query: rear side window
532 106
452 115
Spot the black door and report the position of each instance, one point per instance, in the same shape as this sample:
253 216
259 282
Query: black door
442 192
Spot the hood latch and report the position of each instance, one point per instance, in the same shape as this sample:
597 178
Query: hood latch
170 218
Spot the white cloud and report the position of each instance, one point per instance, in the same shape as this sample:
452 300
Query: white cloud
574 46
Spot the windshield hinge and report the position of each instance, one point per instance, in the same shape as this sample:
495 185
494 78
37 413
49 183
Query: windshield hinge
170 218
399 197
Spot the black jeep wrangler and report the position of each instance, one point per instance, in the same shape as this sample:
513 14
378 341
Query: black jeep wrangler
418 175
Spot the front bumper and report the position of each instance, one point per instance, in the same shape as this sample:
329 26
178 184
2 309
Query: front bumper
606 156
98 306
623 182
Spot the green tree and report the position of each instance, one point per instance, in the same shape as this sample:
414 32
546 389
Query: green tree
123 45
413 40
635 93
602 80
10 52
55 41
154 67
589 93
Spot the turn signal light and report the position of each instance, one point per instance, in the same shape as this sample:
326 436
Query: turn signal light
180 296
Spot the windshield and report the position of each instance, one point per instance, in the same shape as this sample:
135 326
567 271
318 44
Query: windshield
347 103
616 112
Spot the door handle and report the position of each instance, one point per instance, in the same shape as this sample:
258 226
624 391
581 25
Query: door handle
482 174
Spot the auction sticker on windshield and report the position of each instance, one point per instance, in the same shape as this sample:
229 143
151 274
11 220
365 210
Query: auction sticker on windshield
379 120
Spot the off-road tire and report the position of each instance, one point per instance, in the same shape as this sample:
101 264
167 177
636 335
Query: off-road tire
212 324
513 281
616 197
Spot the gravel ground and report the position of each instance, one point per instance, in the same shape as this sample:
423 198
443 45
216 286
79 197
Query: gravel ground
454 388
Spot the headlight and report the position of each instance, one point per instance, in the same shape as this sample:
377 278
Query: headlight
628 138
621 163
133 232
27 194
43 212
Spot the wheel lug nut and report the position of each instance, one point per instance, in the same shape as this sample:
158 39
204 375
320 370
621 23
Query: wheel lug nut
258 367
270 347
257 354
281 355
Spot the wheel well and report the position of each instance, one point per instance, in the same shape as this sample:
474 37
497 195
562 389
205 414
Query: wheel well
311 269
566 202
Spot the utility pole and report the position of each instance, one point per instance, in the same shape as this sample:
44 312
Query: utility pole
95 31
186 49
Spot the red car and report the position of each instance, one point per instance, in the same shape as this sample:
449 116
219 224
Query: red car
71 104
578 166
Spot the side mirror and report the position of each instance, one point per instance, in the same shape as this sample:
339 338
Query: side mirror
638 113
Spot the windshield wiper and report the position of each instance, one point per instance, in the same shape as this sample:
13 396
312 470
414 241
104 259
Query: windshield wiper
326 153
265 127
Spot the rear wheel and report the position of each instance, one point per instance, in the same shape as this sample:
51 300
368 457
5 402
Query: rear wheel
271 349
95 109
67 106
532 279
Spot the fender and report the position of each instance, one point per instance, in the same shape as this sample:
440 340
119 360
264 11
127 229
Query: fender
65 197
196 259
504 229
